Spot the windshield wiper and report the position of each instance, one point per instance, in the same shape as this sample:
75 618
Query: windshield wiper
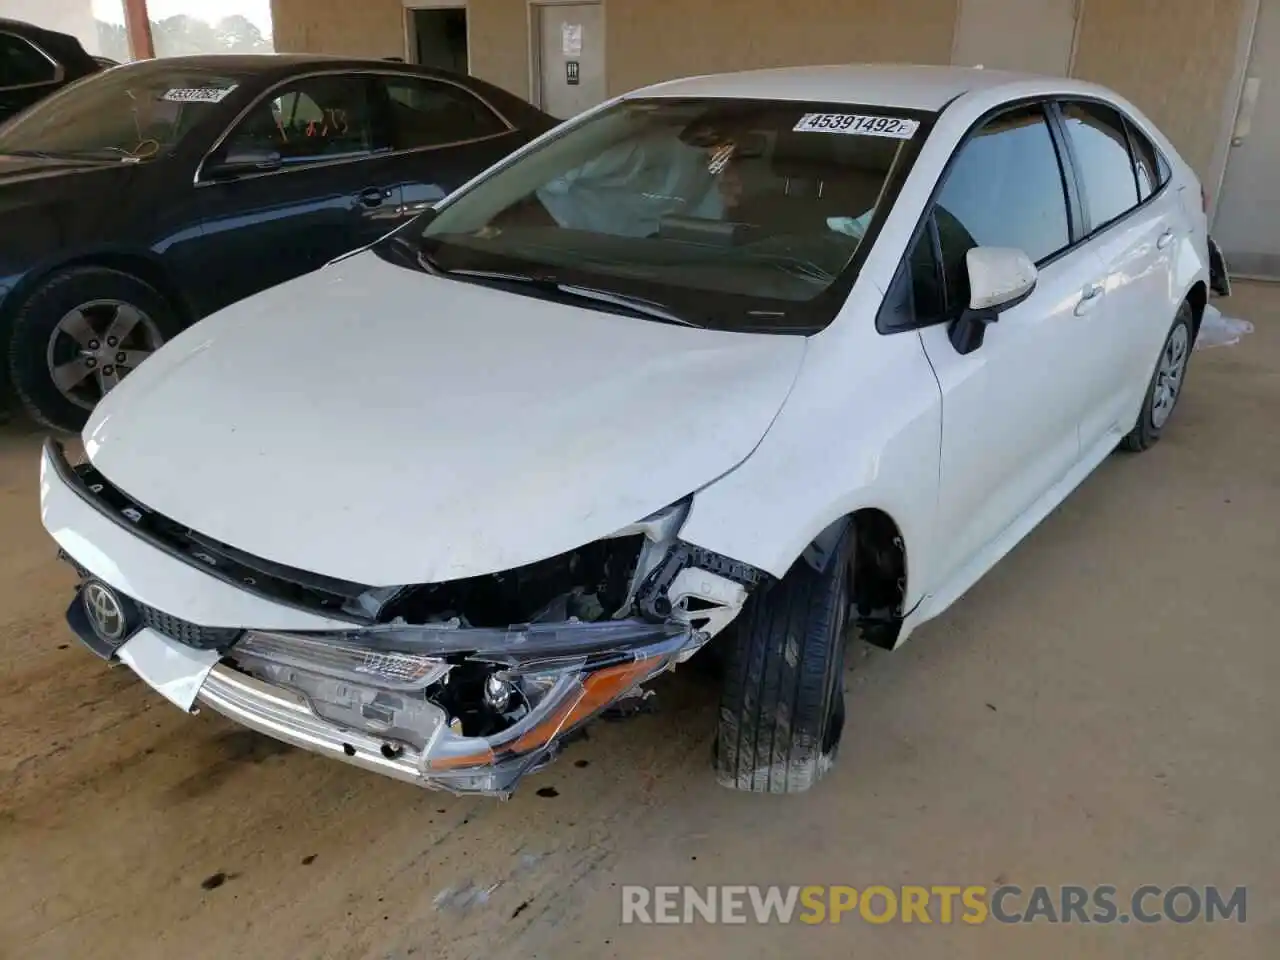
795 266
637 306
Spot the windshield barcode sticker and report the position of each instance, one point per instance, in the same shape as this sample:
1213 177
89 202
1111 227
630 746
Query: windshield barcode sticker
197 94
858 125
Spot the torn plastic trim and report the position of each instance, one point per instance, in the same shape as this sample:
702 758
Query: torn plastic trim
505 644
653 599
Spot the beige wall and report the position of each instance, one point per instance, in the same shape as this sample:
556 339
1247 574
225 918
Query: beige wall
647 40
652 40
367 28
1174 58
499 31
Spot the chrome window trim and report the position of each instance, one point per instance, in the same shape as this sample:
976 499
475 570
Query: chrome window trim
372 154
59 71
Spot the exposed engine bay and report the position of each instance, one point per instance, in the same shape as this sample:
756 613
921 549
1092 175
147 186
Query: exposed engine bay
590 583
503 664
465 684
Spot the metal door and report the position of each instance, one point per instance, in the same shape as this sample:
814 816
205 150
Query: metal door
1247 222
569 54
1031 35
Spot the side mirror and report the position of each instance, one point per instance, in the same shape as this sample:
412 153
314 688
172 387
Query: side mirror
999 278
236 162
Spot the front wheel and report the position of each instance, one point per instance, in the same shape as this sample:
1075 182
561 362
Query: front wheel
77 336
782 703
1166 384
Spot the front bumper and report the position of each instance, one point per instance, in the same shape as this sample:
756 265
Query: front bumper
587 675
287 716
448 760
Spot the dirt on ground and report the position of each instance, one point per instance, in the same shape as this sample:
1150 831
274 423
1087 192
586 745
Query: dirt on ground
1100 709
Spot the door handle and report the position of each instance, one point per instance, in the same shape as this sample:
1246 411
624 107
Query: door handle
1091 297
373 196
1166 238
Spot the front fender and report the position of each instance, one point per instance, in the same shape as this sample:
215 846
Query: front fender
861 429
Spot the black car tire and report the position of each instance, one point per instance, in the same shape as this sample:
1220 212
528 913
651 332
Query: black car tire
38 317
782 700
1146 433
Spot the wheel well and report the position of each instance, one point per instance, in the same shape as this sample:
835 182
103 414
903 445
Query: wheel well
1198 297
145 269
880 571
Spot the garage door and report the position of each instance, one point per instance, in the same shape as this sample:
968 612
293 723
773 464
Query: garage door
1246 225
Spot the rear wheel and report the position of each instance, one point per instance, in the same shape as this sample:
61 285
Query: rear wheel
1166 384
78 336
782 704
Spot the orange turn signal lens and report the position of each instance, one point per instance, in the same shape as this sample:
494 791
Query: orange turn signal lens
599 690
592 694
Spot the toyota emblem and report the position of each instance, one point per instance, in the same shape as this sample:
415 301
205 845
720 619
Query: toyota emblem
106 615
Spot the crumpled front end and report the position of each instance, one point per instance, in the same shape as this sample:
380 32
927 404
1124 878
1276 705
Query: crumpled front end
465 685
475 726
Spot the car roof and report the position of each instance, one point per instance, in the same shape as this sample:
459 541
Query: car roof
32 31
271 64
903 86
63 47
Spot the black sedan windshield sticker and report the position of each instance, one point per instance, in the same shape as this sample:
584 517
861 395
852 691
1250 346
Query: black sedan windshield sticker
858 125
197 94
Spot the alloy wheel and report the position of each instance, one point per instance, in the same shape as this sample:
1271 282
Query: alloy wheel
94 346
1169 375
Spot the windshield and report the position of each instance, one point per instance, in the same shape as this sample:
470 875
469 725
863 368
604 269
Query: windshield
733 214
126 114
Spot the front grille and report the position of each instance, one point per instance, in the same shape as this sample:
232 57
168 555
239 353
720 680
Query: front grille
185 632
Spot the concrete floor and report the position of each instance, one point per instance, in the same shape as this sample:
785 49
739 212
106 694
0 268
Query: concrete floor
1100 709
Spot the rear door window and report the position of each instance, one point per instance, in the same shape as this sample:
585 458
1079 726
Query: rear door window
1101 150
1151 170
430 113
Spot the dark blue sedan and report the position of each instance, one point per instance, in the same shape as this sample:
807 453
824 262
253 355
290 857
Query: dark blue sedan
136 201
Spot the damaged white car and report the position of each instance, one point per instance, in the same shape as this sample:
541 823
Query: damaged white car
792 350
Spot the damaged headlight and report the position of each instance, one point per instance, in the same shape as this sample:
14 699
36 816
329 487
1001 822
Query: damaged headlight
560 695
379 692
447 717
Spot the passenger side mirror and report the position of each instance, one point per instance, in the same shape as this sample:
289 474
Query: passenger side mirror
237 161
999 278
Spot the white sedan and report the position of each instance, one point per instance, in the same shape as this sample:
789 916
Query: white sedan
792 350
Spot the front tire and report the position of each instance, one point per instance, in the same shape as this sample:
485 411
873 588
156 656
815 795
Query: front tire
1166 384
77 336
782 703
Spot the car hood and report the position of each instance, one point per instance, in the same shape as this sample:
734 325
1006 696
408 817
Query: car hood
45 171
376 424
